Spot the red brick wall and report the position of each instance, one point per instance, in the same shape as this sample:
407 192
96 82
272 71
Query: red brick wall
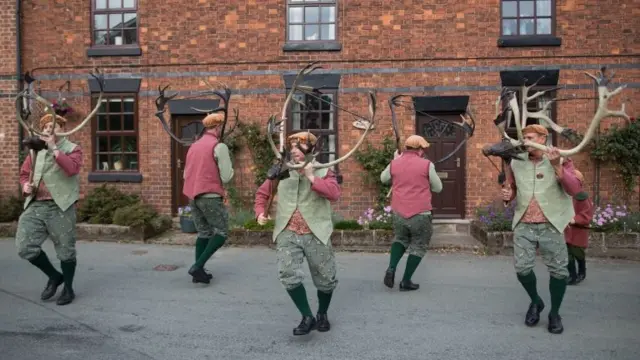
8 126
178 37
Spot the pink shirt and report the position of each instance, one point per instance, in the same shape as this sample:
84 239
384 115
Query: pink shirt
69 163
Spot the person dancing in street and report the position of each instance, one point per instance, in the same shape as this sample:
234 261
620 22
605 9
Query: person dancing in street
50 208
413 180
208 168
303 229
542 185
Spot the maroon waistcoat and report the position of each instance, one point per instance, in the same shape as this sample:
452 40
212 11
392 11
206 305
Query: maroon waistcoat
201 174
411 191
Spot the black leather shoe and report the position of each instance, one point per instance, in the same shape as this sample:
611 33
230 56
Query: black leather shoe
407 285
572 280
533 314
389 278
193 280
555 324
199 276
323 322
66 297
52 287
307 324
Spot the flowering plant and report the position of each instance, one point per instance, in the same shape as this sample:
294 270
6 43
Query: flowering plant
62 108
371 219
609 218
184 211
495 216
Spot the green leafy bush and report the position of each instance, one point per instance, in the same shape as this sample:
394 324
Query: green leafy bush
143 216
10 208
347 225
253 225
99 206
495 216
238 218
374 160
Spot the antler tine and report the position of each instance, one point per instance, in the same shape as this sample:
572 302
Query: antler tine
372 114
100 78
28 127
270 125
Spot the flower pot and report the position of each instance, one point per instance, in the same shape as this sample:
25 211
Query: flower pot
187 225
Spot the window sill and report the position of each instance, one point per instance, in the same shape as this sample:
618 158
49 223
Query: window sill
319 46
114 51
524 41
133 177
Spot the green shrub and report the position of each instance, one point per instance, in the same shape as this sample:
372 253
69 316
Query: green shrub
495 216
141 215
99 206
380 225
347 225
10 209
253 225
238 218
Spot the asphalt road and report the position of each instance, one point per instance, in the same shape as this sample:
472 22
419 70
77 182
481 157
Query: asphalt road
468 307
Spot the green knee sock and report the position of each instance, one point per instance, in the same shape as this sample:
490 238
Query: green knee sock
324 299
299 297
68 271
42 262
201 244
412 264
557 288
212 246
397 250
529 282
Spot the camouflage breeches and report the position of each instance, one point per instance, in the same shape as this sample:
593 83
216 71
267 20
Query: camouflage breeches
292 248
43 219
576 252
553 249
210 217
413 233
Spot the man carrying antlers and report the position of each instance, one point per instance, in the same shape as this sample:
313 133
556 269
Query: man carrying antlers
542 185
207 168
50 208
302 229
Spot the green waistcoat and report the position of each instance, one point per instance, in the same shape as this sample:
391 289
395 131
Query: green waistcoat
556 204
295 192
65 190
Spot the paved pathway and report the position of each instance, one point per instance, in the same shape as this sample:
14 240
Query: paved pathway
468 307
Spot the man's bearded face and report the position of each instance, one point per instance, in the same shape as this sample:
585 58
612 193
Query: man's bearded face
298 156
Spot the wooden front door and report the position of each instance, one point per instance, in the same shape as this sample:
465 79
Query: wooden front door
444 138
186 128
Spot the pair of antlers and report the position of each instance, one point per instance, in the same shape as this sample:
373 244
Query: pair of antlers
282 155
224 95
24 113
520 113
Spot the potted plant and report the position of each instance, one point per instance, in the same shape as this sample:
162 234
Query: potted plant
187 225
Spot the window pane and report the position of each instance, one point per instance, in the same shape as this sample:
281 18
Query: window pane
115 21
129 105
115 105
102 163
103 144
510 27
328 32
311 32
115 143
100 38
117 162
311 15
102 123
297 121
295 15
327 121
101 4
326 105
295 32
129 3
100 22
328 14
130 144
131 162
526 8
509 8
543 8
103 106
115 122
129 122
544 26
130 36
526 27
130 20
312 121
115 4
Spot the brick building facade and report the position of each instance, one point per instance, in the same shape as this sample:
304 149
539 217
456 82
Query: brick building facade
434 51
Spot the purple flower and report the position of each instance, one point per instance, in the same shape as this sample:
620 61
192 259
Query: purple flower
387 209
